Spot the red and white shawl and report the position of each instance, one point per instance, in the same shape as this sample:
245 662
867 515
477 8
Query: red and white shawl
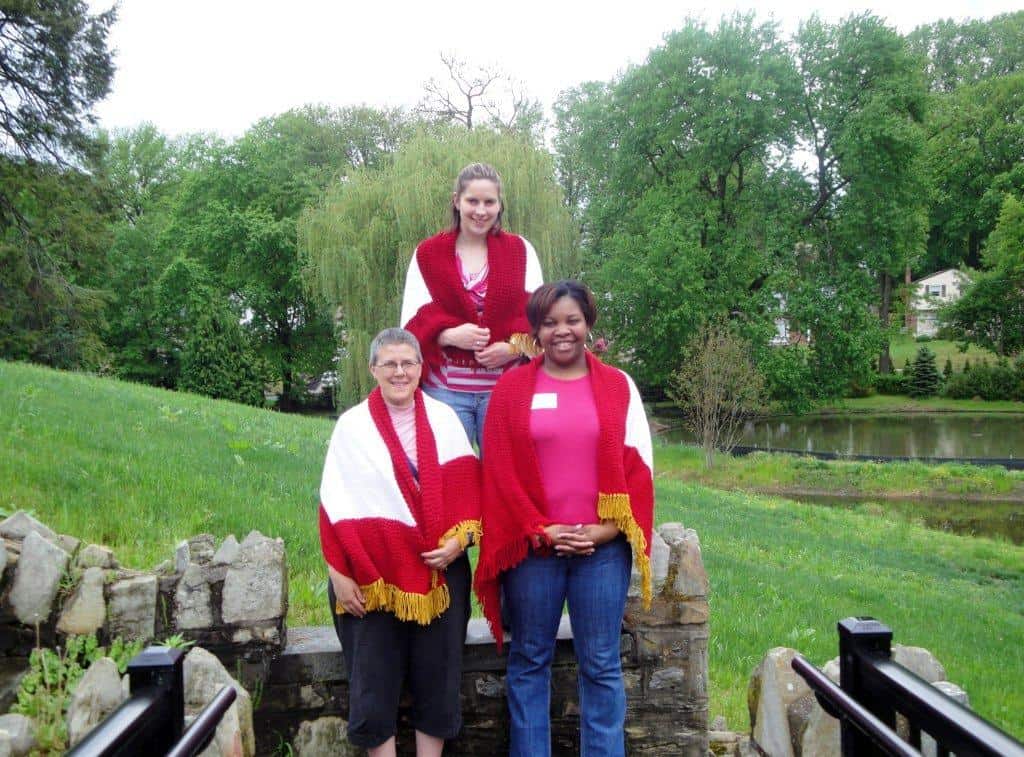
514 503
376 520
435 298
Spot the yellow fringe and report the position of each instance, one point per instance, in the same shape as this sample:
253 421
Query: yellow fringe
461 531
422 608
524 344
615 507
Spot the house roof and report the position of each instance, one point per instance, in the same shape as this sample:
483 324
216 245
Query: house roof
957 271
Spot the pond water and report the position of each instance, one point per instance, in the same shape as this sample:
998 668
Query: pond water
934 435
1000 520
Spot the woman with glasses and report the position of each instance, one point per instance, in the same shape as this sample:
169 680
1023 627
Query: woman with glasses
568 505
465 299
399 506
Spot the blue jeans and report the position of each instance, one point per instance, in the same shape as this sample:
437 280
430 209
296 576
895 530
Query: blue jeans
595 588
471 407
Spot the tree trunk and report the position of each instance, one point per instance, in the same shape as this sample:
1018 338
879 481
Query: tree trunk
884 309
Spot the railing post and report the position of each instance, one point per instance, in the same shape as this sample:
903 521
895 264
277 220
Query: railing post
162 669
868 639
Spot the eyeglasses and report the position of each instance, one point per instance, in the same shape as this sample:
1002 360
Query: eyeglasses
392 367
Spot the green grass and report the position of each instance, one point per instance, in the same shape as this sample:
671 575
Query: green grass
140 469
783 573
764 470
904 347
884 403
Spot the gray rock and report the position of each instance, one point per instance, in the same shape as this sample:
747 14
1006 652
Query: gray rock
6 747
920 661
228 551
309 697
201 548
21 524
659 567
667 678
686 576
490 686
97 695
95 556
323 737
192 600
182 557
820 733
928 746
37 579
256 585
204 677
22 731
774 686
719 724
3 558
131 606
85 611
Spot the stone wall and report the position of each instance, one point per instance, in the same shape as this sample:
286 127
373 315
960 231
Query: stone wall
664 659
231 598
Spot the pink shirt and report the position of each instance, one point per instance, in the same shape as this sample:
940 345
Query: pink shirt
404 421
563 424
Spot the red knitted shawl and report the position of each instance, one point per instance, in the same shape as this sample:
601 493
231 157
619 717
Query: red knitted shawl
375 520
451 305
514 503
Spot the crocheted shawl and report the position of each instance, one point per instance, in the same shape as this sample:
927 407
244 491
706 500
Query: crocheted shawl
376 519
435 298
514 503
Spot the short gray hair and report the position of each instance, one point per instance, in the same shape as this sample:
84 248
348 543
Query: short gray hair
391 336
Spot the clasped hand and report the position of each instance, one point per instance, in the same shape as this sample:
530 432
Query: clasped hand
476 339
580 540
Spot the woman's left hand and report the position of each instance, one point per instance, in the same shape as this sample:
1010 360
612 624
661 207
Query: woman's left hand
442 557
495 355
583 540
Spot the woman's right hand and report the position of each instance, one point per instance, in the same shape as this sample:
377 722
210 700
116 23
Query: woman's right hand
569 541
348 594
468 336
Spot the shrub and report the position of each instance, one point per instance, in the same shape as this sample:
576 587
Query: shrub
891 383
788 379
924 377
947 369
989 382
922 338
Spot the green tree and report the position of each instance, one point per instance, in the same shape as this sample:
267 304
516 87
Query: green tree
54 65
975 158
238 214
864 100
218 361
358 239
924 376
687 210
991 311
970 51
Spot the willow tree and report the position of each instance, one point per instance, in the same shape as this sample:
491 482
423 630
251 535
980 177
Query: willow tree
357 240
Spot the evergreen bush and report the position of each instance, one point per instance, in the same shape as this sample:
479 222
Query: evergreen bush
947 369
924 376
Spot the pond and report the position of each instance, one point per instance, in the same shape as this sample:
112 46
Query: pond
932 435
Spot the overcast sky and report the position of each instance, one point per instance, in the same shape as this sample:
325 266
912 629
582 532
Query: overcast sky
219 65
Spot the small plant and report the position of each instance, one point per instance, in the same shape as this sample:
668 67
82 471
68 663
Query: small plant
177 641
45 691
947 369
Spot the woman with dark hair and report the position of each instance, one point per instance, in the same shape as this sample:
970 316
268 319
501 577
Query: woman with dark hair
568 504
465 299
399 505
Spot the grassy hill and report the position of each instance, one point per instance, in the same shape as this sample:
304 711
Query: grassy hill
140 469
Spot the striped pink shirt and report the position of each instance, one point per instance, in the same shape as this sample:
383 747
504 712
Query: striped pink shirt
460 378
404 421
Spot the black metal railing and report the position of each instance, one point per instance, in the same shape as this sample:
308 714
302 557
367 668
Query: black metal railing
151 721
873 689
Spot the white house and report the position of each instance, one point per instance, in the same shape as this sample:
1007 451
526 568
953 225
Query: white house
931 293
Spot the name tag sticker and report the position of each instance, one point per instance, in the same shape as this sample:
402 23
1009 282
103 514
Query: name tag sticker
545 401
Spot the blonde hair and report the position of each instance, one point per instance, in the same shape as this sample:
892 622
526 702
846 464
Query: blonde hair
472 172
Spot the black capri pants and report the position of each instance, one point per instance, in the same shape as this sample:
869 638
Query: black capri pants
381 652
